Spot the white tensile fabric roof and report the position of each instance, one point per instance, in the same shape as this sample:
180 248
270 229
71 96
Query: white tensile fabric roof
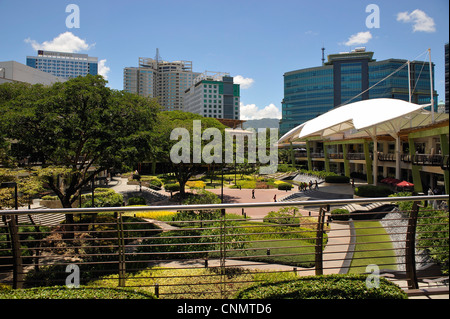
385 115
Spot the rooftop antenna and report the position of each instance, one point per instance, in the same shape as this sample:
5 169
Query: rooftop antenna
323 55
157 56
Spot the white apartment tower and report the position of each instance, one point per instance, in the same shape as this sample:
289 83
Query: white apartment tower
63 64
213 94
160 79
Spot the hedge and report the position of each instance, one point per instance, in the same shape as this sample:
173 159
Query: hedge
372 191
62 292
285 186
337 179
323 287
175 187
138 200
340 214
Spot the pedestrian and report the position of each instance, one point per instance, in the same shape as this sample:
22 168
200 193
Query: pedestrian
275 198
310 185
253 194
317 185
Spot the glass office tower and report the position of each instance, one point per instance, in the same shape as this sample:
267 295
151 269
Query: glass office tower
349 77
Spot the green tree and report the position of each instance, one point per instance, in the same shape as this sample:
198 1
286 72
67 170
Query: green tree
77 128
178 119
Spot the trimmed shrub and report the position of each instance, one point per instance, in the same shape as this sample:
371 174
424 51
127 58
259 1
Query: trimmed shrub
138 200
284 186
196 184
372 191
62 292
340 214
175 187
323 287
337 179
285 215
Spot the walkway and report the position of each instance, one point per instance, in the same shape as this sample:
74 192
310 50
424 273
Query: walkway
336 249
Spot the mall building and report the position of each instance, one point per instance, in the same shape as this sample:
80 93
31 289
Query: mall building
349 77
377 139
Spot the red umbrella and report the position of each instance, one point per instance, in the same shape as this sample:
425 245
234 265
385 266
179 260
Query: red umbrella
405 184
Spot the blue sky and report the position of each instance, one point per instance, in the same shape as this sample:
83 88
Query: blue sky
258 40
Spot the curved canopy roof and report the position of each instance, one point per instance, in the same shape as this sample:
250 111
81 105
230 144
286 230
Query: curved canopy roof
385 115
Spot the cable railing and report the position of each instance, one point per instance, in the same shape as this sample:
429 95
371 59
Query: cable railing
201 251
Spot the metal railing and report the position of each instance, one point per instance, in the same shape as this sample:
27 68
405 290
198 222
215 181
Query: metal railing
205 253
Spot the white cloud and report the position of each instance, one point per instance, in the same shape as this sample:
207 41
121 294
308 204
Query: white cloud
359 38
421 21
252 112
244 82
312 33
103 69
65 42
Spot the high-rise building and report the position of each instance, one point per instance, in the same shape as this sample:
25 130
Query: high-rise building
62 64
160 79
447 94
349 77
213 95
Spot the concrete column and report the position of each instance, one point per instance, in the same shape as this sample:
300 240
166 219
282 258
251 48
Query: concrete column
415 170
325 155
445 151
397 157
368 163
375 161
346 162
308 154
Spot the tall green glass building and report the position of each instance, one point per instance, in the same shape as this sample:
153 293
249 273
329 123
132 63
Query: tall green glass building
346 78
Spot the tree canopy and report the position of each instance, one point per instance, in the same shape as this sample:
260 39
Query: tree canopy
77 129
170 120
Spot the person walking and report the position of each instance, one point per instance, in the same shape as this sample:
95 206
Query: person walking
253 194
275 198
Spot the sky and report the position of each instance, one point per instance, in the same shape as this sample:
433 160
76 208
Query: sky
255 41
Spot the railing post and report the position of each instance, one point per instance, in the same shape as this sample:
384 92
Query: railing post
15 247
410 249
222 252
121 250
319 241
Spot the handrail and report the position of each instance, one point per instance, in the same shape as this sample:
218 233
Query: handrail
307 203
122 244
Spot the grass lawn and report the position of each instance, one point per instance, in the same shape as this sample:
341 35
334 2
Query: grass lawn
294 244
294 255
378 242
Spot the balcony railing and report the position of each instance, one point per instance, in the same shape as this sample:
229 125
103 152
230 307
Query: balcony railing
335 155
357 156
37 246
427 160
418 159
386 157
317 155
